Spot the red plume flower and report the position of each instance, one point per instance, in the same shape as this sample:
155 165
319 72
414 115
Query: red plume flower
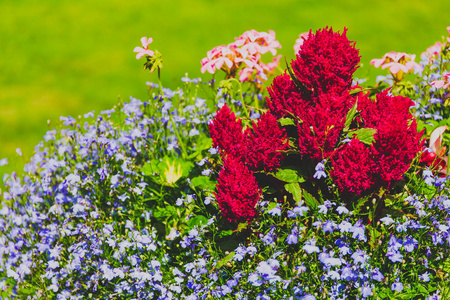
237 191
264 141
285 98
352 168
326 61
397 141
318 134
226 133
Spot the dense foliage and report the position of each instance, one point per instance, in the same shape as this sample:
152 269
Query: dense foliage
329 192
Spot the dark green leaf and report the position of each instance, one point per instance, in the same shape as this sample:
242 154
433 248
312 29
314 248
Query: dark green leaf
310 201
224 233
295 190
297 82
350 115
289 174
224 260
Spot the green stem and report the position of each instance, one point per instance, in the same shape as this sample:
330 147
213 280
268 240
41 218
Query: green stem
242 95
159 81
180 141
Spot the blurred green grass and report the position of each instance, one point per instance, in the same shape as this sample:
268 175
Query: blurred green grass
61 57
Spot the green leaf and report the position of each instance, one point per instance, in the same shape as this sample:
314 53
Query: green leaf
289 174
223 261
224 233
365 135
197 221
286 121
150 168
355 91
164 212
350 115
310 201
241 227
295 189
203 183
297 82
271 205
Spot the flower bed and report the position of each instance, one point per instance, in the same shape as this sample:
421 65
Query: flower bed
314 188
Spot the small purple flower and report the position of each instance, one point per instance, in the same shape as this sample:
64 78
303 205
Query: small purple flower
320 170
397 286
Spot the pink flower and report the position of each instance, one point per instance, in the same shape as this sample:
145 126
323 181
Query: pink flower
433 51
216 58
258 42
144 49
243 56
399 64
442 83
299 42
448 39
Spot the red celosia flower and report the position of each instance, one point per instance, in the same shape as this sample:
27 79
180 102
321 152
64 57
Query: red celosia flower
397 141
326 61
319 133
237 191
264 141
226 133
352 168
258 147
285 98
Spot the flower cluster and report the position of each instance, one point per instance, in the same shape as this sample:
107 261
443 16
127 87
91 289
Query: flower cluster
320 99
243 56
257 148
121 205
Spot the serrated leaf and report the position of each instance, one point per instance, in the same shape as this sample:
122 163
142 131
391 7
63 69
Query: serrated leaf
286 121
289 174
365 135
295 190
350 115
223 261
310 201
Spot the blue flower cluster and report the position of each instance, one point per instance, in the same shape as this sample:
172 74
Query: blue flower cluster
121 206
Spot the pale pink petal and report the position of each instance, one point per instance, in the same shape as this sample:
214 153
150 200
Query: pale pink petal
208 67
392 55
436 139
228 62
146 41
394 68
219 63
244 74
377 62
438 83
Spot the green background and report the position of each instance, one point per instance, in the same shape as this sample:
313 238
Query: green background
65 57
